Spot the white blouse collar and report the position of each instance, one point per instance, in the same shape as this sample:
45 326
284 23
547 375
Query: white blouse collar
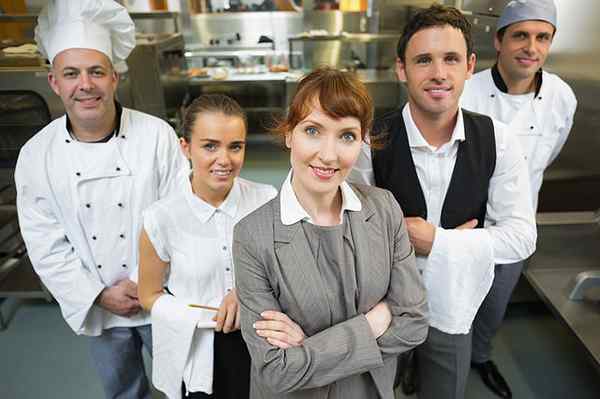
204 211
292 212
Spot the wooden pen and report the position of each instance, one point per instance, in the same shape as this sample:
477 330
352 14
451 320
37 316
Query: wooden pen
193 305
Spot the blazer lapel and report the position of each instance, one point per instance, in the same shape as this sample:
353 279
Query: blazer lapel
301 277
371 256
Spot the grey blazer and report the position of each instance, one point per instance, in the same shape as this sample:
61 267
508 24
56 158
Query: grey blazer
275 270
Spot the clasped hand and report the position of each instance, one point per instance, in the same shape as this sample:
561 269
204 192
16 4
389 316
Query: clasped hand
422 233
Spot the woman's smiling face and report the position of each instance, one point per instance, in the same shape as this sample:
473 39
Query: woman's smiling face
323 151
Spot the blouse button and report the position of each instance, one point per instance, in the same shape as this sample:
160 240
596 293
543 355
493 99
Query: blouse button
77 174
123 136
94 237
88 205
67 141
531 127
120 205
122 235
99 266
118 169
124 265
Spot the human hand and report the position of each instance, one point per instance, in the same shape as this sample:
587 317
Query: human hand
471 224
379 318
228 316
120 299
421 234
279 330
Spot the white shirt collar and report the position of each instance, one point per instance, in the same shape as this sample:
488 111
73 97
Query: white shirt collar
415 137
204 211
292 212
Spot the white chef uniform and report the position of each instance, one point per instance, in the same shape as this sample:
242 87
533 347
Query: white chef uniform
541 120
80 207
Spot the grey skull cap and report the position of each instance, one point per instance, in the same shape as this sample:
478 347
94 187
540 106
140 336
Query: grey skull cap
527 10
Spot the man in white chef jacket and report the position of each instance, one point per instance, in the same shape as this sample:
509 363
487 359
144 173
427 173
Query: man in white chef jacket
538 107
83 181
462 184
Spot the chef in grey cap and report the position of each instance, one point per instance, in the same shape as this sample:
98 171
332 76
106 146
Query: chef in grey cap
83 181
538 107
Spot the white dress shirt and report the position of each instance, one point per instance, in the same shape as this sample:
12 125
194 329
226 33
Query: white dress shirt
542 121
196 239
293 212
459 270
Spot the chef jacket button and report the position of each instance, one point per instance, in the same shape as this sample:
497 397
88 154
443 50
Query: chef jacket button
122 235
227 269
122 136
120 205
123 265
77 174
540 97
531 127
93 237
88 205
99 266
118 169
492 95
224 248
67 141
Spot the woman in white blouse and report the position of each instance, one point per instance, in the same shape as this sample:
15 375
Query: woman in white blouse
185 259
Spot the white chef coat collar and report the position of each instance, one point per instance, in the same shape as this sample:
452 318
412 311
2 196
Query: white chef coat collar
292 212
115 132
204 211
415 137
501 84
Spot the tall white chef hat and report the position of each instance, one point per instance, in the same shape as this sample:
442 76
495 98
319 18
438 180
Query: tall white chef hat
526 10
102 25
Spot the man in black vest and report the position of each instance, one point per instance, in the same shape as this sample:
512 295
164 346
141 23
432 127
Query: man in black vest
461 181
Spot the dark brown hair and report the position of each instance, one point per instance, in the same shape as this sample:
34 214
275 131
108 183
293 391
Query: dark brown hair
435 16
339 94
218 103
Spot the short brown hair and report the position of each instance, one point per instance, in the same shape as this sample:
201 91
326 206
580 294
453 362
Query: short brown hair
217 103
435 16
339 94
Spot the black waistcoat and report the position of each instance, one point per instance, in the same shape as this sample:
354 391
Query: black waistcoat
467 194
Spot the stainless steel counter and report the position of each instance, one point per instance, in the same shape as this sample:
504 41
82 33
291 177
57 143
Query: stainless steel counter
568 243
